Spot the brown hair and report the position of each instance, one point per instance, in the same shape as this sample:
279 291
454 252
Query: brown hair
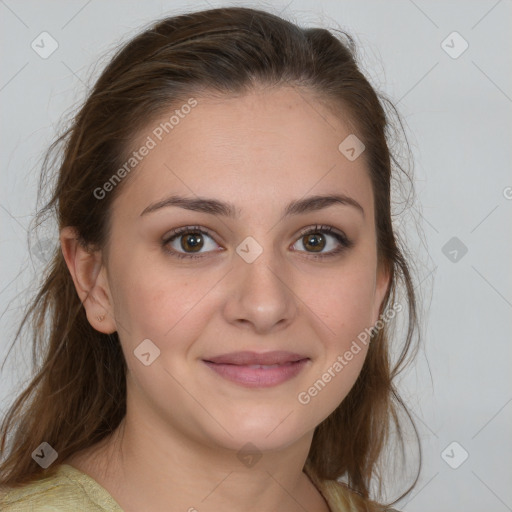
78 393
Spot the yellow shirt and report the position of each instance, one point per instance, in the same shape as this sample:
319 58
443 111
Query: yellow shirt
71 490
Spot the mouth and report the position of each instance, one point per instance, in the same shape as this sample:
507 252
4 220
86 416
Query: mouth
251 369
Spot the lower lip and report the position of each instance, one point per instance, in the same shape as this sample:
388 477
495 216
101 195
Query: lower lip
258 377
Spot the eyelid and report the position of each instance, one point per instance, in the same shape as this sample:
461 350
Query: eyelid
186 229
325 228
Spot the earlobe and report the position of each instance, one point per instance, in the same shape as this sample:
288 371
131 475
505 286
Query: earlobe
89 277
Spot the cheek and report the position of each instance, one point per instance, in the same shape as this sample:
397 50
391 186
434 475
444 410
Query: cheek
345 307
344 300
153 302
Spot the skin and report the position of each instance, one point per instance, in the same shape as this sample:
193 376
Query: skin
185 424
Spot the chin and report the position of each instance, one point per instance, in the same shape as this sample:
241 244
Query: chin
265 433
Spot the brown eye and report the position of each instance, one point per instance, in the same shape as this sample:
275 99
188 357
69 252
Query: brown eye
192 242
325 241
189 241
314 242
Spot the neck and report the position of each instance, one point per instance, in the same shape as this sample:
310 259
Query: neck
143 469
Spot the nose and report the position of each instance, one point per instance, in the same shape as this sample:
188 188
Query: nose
261 297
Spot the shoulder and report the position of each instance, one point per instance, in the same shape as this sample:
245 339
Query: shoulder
54 493
67 489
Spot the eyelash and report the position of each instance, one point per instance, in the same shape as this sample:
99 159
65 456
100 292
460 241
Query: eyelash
344 242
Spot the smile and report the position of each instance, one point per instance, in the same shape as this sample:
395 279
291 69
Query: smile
258 375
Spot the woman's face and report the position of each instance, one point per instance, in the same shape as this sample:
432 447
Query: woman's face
254 283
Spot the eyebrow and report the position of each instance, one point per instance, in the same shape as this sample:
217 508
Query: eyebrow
229 210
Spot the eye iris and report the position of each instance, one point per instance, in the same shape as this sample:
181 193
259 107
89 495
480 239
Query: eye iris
192 241
316 242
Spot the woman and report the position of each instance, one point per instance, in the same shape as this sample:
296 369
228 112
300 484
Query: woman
216 321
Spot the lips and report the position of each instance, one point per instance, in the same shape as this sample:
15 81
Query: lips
253 358
252 369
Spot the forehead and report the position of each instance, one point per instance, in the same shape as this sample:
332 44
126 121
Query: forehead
269 146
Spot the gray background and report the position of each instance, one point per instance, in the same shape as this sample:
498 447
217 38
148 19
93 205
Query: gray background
458 120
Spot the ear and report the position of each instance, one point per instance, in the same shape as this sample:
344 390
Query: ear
90 279
382 282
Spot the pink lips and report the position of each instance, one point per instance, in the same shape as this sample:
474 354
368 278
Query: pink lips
252 369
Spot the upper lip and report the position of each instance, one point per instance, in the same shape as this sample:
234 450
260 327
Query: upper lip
249 358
